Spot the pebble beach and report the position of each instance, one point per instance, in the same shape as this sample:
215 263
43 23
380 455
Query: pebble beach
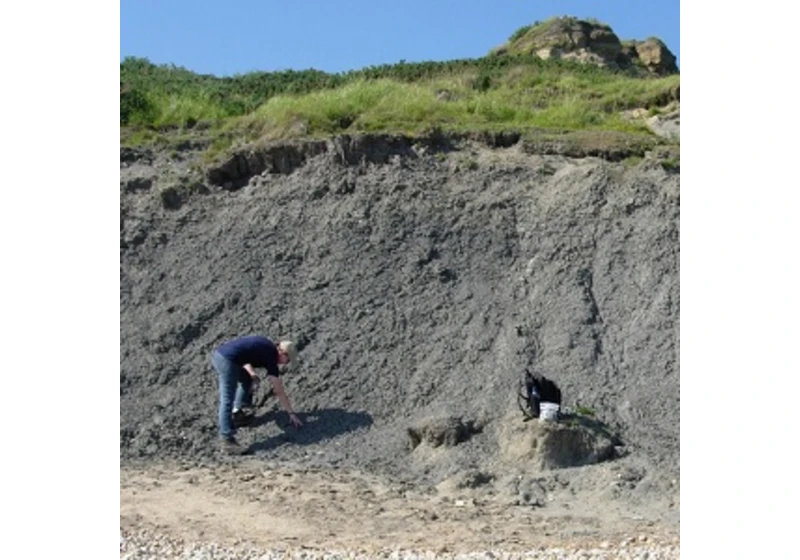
150 545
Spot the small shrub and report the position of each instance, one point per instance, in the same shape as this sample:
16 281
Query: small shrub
671 164
135 106
521 32
468 163
482 83
632 161
547 170
584 411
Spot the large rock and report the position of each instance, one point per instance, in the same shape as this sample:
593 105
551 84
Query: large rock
443 430
590 41
573 442
654 55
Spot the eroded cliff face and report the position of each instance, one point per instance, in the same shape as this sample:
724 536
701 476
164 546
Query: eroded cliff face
420 283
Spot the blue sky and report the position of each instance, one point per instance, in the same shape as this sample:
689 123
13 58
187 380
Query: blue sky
240 36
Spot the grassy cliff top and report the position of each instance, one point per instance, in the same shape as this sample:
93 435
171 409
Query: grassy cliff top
502 91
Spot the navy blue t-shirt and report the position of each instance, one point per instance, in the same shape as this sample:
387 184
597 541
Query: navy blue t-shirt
258 351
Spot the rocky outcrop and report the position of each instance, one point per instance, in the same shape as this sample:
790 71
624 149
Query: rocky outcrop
573 441
436 431
590 41
651 53
665 123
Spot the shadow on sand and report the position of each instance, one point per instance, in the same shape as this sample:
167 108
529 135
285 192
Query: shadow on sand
319 425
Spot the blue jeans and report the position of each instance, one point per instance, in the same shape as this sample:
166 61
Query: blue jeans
234 392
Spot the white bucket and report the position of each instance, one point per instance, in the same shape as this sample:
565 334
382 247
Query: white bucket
548 412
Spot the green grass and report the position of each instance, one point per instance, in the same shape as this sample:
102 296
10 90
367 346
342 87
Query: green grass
391 106
177 109
672 164
584 411
494 93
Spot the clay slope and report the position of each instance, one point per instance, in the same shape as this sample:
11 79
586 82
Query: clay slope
420 284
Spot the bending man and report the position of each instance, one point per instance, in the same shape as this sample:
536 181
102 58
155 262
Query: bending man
235 362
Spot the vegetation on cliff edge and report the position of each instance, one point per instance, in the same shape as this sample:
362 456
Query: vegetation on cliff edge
496 92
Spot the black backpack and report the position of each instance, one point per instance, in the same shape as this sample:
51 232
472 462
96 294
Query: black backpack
537 389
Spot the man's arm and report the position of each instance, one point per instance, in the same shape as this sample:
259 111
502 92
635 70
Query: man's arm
280 392
255 380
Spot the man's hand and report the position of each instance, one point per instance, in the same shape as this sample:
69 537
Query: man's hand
255 381
280 392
